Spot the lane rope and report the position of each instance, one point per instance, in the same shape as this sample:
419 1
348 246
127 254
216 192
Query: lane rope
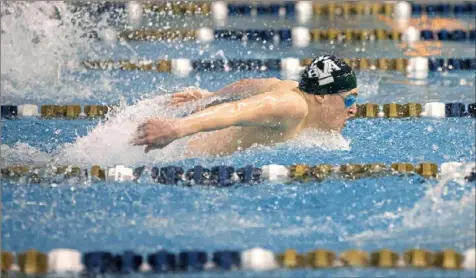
34 262
225 176
364 110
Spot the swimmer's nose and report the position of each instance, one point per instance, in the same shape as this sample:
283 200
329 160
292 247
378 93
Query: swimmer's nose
352 111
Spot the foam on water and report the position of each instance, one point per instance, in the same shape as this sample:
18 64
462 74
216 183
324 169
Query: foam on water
42 45
444 212
440 217
109 142
368 84
22 154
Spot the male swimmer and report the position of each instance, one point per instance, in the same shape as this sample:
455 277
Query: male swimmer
267 111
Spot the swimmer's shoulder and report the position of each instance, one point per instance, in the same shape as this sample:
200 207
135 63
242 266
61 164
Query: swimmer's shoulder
291 100
266 84
287 83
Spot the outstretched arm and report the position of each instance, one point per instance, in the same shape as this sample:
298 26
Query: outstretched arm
278 110
248 87
261 110
236 90
189 95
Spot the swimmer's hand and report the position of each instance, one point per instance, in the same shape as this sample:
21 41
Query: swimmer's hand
182 97
156 133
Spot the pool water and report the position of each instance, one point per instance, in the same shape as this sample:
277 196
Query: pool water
396 212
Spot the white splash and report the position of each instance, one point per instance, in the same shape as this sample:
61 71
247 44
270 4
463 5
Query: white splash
327 140
444 211
42 47
369 83
22 154
450 221
109 143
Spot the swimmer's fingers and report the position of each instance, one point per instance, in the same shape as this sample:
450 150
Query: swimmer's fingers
146 126
142 127
137 139
187 96
141 140
156 133
178 100
181 95
148 140
153 147
143 137
149 148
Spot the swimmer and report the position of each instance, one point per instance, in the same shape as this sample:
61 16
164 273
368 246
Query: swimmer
260 111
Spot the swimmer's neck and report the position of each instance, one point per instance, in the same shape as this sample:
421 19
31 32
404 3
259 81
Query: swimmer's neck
313 117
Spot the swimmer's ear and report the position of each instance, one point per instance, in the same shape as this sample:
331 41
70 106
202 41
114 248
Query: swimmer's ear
320 98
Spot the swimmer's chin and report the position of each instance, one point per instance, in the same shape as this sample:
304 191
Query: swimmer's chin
339 129
343 126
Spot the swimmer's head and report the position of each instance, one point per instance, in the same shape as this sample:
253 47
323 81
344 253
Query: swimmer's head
334 86
327 74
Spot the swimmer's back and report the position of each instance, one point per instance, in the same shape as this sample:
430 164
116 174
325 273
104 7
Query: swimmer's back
232 138
251 87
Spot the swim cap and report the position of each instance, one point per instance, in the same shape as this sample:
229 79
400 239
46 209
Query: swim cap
327 75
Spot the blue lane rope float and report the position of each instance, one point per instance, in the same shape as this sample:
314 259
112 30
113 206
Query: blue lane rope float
444 9
365 110
226 176
285 35
445 35
98 263
440 64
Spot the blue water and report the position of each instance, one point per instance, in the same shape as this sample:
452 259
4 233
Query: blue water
276 216
372 213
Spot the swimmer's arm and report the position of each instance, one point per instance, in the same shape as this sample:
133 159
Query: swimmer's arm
266 110
234 91
238 86
247 87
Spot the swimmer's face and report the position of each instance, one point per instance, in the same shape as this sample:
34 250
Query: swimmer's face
334 110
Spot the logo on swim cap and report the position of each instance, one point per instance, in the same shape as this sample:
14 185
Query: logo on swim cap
327 75
324 74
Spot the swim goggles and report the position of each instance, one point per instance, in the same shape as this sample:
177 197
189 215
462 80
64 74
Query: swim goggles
349 100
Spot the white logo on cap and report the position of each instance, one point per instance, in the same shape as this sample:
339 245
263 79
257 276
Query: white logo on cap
324 75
